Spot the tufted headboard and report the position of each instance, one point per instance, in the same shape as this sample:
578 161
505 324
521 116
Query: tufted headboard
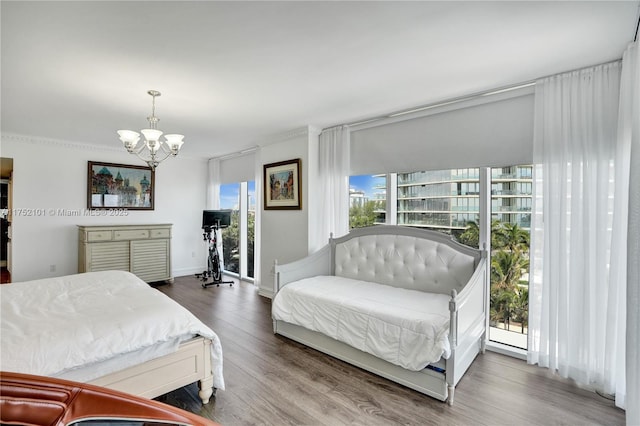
404 257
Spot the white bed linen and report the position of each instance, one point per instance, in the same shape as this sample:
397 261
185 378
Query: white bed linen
53 326
408 328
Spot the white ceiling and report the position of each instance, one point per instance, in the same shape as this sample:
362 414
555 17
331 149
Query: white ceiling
233 74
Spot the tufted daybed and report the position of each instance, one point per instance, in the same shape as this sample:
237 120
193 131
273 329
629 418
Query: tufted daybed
407 304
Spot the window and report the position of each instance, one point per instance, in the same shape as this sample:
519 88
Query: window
230 199
449 201
367 200
238 239
442 200
511 195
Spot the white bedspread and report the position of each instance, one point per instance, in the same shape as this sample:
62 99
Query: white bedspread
54 326
408 328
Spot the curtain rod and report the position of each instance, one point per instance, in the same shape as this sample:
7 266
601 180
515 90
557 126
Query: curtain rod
459 98
435 105
235 154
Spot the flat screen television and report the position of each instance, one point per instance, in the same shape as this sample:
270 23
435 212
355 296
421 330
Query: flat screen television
211 218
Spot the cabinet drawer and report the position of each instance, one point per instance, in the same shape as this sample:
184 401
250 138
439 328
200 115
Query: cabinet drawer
98 235
160 233
132 234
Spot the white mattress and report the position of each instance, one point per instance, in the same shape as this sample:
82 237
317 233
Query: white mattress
84 326
408 328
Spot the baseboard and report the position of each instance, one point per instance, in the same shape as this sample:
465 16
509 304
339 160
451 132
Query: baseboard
265 293
183 272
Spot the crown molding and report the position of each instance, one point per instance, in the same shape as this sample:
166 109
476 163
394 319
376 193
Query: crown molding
37 140
291 134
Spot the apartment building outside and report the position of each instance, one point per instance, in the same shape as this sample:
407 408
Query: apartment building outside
447 200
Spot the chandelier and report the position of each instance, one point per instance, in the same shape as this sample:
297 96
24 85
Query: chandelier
152 142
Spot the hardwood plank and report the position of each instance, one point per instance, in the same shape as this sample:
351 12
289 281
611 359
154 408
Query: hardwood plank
272 380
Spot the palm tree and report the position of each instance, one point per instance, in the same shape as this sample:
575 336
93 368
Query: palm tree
471 235
509 262
501 303
507 297
515 237
507 267
521 306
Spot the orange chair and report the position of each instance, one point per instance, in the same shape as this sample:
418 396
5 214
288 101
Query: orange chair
35 400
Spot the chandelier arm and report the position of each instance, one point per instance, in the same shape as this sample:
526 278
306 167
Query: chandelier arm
163 158
138 150
163 145
146 160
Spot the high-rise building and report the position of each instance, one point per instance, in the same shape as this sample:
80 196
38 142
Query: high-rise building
448 200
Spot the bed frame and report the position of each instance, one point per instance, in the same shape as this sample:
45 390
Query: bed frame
468 317
191 363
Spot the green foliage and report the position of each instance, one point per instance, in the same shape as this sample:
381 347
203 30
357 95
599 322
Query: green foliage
509 263
361 216
471 236
503 235
231 243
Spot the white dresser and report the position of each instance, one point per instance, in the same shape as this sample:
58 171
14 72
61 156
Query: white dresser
144 250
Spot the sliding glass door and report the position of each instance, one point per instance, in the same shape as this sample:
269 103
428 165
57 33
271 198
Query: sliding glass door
238 239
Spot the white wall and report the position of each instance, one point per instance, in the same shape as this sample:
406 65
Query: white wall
284 233
52 175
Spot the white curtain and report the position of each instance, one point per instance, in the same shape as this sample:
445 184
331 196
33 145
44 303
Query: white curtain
213 185
629 134
579 230
213 198
333 187
257 230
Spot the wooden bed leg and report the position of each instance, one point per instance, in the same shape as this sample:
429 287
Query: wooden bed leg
206 389
450 397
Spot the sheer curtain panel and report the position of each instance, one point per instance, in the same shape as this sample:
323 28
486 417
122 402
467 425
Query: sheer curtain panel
213 184
579 230
333 186
257 223
213 197
629 133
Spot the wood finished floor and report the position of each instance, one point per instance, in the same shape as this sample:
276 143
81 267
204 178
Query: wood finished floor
271 380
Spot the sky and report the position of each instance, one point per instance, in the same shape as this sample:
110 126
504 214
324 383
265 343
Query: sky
230 193
365 183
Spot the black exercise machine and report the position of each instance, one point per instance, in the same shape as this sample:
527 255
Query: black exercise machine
212 220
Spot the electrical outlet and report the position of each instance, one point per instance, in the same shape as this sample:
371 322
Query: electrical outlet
52 268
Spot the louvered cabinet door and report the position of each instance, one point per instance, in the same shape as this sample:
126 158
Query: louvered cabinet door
150 259
108 256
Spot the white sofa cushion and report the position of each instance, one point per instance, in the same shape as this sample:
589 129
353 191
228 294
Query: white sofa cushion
404 261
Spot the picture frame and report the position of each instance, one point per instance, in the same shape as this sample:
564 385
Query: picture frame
283 185
120 186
